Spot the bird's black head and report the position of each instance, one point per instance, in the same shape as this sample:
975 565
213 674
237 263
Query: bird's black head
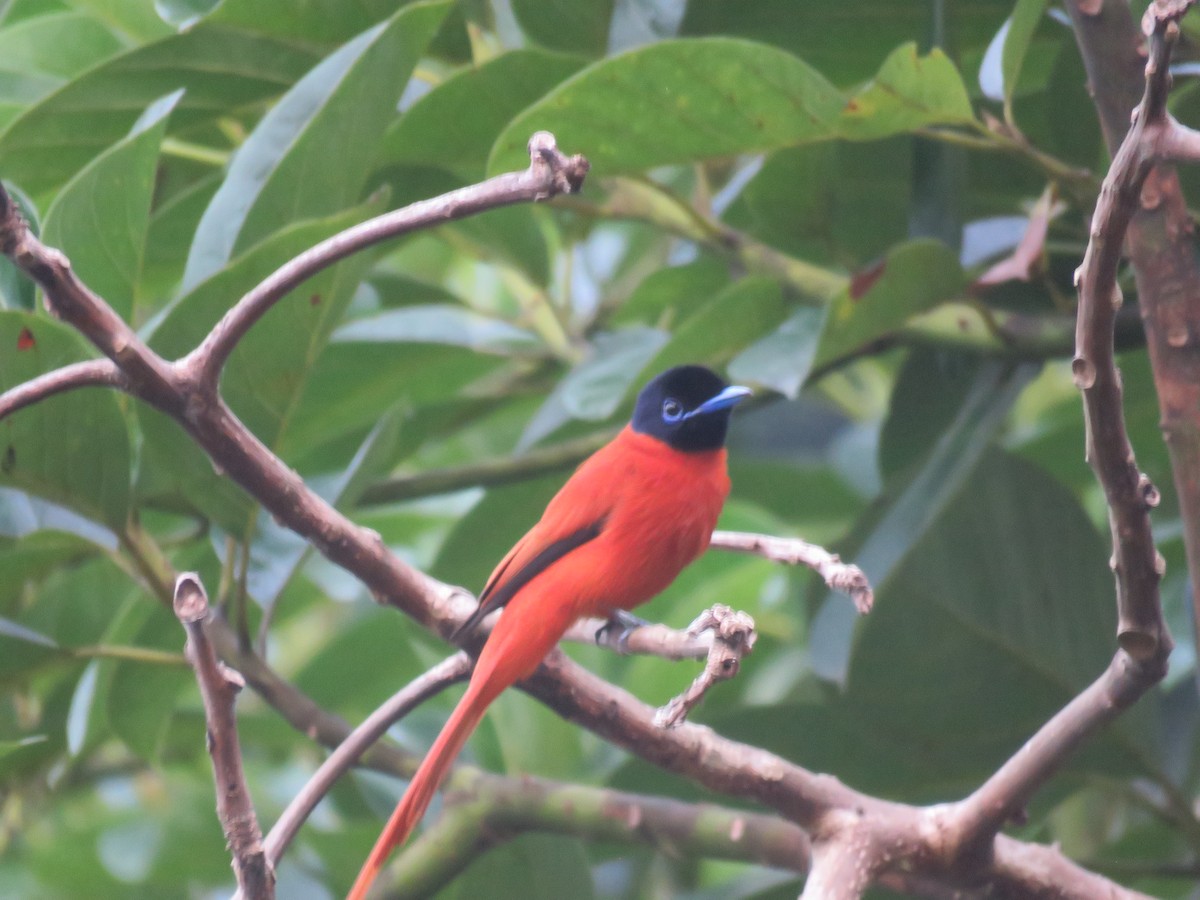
687 408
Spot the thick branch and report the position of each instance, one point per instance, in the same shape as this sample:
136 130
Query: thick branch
219 687
89 373
843 864
509 805
813 801
1162 250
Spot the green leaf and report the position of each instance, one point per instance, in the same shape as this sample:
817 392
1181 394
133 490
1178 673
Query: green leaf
1021 26
668 293
440 324
354 383
909 92
60 45
338 111
18 632
323 22
9 749
594 389
840 200
100 218
678 102
1012 603
828 34
220 71
912 278
738 315
138 21
903 520
782 359
172 224
574 26
435 132
72 448
142 698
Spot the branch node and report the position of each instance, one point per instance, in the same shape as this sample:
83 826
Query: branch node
733 637
191 600
567 172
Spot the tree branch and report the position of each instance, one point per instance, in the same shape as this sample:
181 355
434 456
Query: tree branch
1141 630
486 472
843 577
550 172
976 820
451 670
816 802
89 373
219 687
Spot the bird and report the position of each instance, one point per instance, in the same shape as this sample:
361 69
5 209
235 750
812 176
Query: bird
620 530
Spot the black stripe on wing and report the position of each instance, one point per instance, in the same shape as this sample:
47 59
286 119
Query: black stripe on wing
549 554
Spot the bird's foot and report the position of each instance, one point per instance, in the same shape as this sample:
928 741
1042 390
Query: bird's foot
614 633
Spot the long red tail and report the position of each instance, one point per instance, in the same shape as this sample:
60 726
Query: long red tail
521 639
480 693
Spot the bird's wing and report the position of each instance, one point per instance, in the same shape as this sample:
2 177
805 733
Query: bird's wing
577 514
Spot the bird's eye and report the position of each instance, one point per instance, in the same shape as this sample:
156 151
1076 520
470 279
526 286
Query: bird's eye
672 410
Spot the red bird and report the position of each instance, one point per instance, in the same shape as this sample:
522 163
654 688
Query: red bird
623 526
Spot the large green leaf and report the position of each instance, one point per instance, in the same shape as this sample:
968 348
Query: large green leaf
912 278
435 132
910 91
1020 28
828 34
576 26
136 21
324 22
338 111
38 54
914 508
679 101
72 448
744 312
594 389
1002 612
221 71
100 218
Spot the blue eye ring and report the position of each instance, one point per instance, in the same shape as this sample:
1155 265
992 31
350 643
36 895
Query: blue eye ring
672 410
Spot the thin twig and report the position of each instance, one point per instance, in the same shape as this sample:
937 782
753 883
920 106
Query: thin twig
486 472
846 578
219 688
89 373
550 173
449 671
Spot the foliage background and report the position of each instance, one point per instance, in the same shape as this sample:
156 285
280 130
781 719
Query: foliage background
801 194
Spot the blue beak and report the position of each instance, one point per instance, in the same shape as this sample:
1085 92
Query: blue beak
731 396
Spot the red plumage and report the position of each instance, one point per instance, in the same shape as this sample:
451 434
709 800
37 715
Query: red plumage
617 533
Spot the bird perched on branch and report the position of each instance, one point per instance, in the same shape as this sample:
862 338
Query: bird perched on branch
618 532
